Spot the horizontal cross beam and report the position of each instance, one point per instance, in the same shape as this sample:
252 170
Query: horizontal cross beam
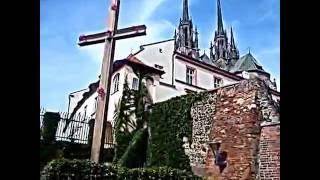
124 33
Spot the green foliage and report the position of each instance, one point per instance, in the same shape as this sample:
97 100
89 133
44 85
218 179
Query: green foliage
123 120
50 124
130 118
61 149
49 152
170 121
135 154
84 169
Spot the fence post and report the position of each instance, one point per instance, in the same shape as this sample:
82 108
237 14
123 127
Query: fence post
90 136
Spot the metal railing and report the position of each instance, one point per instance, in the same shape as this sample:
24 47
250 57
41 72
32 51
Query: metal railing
77 130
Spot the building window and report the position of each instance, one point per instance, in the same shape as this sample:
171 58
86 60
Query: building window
217 82
135 83
191 76
116 83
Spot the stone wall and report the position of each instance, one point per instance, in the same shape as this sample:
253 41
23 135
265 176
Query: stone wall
240 118
202 124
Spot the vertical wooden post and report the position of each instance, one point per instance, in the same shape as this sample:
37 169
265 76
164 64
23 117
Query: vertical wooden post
104 87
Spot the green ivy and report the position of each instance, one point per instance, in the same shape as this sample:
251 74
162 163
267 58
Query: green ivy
84 169
127 130
135 154
169 122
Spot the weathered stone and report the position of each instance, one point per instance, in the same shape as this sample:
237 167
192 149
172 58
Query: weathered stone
232 115
240 101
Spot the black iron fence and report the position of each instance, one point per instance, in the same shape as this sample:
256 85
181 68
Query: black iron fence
78 130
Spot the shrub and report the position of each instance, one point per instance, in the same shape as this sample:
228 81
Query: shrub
84 169
50 124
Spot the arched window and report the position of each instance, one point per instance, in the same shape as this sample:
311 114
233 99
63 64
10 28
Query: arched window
115 83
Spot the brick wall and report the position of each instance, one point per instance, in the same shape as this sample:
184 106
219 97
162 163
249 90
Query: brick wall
269 153
237 127
241 118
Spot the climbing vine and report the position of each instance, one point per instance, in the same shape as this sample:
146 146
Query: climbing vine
170 121
130 121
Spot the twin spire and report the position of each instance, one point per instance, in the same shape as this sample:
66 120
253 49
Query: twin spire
186 37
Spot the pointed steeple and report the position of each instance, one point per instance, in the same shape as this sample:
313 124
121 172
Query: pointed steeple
196 41
232 44
186 42
185 16
211 52
220 23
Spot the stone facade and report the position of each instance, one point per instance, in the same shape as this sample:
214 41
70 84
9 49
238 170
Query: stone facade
244 120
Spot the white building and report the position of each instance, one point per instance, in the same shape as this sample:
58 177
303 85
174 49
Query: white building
175 68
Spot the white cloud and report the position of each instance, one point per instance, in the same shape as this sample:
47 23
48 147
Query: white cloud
149 7
156 31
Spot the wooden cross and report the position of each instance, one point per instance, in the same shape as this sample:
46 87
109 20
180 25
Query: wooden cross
109 38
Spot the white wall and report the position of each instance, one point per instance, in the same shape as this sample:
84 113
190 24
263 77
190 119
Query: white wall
164 93
113 99
151 55
205 78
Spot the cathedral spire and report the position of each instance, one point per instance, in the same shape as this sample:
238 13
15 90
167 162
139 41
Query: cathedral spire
220 23
196 41
211 52
185 16
232 44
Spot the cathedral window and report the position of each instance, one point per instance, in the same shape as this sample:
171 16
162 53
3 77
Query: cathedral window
116 83
191 76
217 82
135 84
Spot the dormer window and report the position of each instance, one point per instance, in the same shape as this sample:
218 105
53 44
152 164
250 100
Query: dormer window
217 82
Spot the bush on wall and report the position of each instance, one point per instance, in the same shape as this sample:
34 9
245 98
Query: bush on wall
169 122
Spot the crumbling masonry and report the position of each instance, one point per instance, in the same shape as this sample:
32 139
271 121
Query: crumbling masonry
244 120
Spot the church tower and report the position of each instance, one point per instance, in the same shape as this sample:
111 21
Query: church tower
185 42
233 50
220 37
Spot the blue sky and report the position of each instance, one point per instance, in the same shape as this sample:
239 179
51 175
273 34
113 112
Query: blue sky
65 67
